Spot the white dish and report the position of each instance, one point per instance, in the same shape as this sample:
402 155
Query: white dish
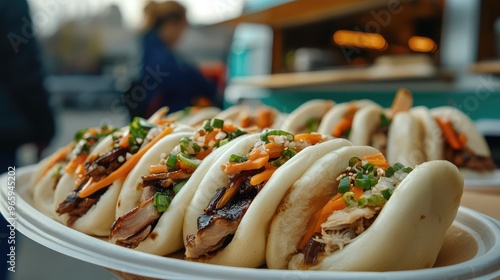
481 180
471 251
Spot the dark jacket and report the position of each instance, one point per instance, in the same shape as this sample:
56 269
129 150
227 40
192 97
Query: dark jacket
178 83
25 115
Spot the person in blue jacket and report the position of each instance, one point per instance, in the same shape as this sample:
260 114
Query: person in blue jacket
166 77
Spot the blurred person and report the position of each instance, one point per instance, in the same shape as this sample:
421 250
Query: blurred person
25 116
167 79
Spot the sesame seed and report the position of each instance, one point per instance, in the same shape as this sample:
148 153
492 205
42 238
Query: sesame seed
121 159
139 140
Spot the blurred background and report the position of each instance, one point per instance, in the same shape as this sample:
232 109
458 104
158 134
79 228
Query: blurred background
279 52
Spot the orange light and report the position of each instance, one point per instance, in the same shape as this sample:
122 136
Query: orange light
422 44
359 39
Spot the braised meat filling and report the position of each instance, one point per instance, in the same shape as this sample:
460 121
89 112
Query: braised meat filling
223 215
101 167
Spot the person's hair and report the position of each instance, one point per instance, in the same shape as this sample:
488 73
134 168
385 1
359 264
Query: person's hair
159 13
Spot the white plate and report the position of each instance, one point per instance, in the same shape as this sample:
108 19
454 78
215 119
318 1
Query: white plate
481 180
472 230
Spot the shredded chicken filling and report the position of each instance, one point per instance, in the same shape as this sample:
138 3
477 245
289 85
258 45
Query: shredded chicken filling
343 226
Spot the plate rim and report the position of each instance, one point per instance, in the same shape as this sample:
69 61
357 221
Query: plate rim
47 232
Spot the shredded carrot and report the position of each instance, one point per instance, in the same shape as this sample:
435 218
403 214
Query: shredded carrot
274 149
311 225
211 136
163 122
158 168
58 156
185 167
358 192
246 121
314 225
194 110
336 203
403 101
377 160
124 142
449 134
80 169
257 153
374 156
343 125
346 122
264 118
92 131
228 127
202 154
257 159
74 163
463 139
123 170
312 138
261 177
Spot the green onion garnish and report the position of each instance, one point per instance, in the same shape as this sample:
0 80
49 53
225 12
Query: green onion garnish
389 172
236 133
217 123
344 185
397 166
206 126
348 198
312 125
372 200
384 121
177 187
189 160
237 158
161 201
407 170
223 142
386 194
368 167
264 136
353 161
172 162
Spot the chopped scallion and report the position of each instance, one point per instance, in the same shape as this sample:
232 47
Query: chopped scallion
348 198
264 136
237 158
344 185
177 187
161 201
172 162
217 123
353 161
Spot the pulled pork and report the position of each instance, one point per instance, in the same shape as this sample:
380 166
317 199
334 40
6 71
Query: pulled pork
217 225
98 169
466 158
